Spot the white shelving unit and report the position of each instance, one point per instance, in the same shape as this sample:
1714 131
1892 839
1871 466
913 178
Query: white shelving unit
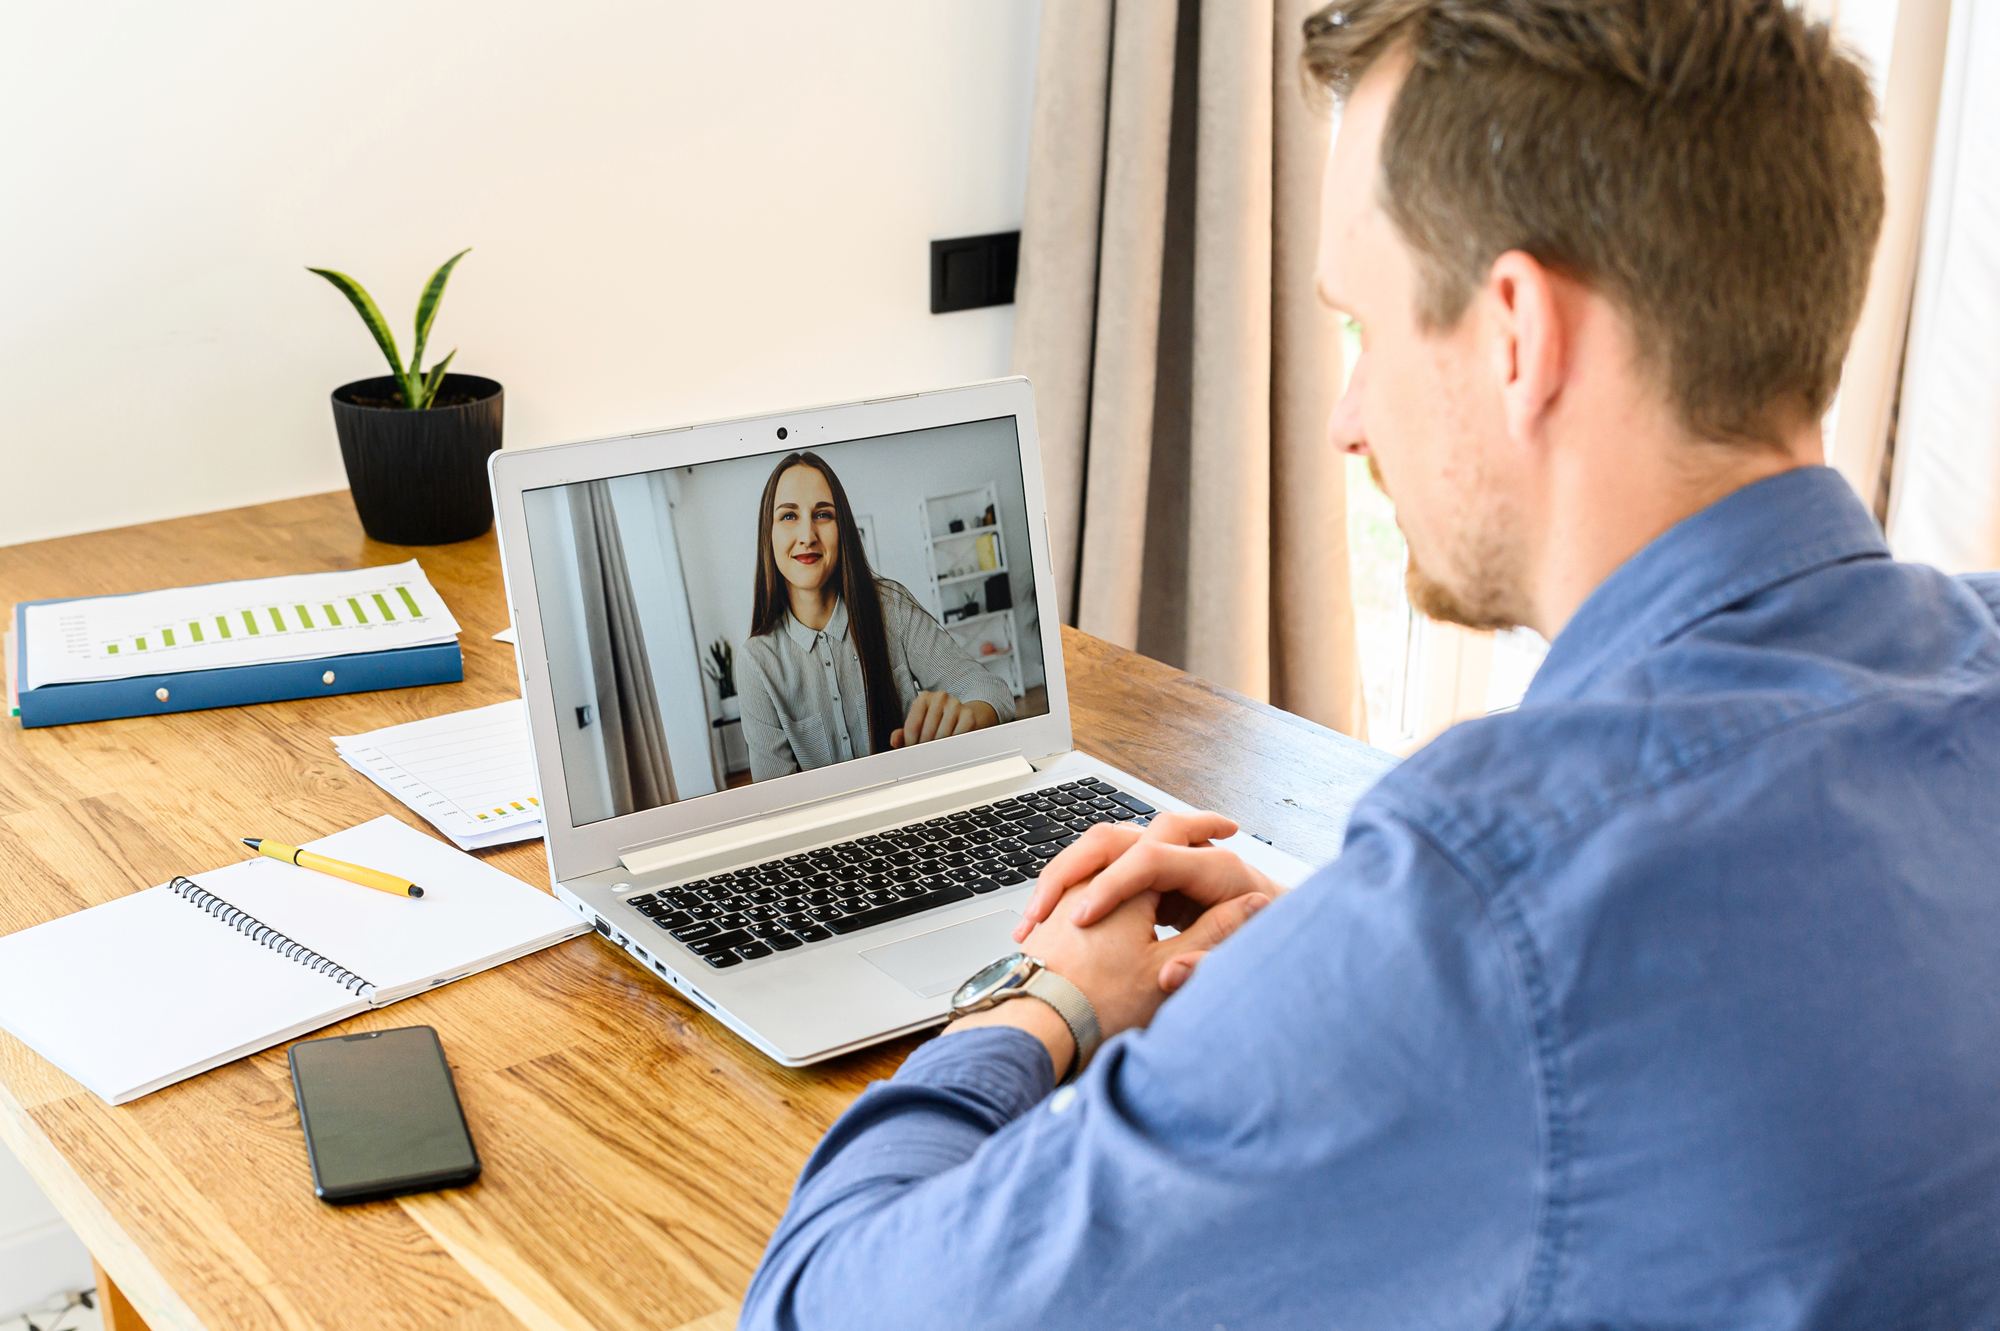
960 562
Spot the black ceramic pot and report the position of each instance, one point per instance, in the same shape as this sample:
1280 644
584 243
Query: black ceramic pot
419 477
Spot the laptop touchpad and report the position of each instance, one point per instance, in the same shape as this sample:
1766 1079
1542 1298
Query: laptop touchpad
943 959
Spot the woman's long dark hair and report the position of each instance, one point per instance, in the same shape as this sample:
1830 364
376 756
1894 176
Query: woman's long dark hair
857 588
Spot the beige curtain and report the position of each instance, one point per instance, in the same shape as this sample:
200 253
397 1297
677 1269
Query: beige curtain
1184 368
635 740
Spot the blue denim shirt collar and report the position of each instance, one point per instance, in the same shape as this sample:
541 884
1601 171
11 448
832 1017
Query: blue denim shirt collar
1742 544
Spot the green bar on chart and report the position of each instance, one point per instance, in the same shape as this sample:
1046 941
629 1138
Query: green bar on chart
223 625
250 622
111 649
332 615
194 630
167 637
141 643
410 601
383 606
304 618
277 620
355 606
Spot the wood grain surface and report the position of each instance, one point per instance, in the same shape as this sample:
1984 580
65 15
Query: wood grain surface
636 1153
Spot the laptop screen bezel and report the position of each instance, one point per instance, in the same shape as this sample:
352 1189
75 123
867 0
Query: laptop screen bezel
594 847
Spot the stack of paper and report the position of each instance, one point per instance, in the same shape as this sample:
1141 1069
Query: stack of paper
471 774
302 617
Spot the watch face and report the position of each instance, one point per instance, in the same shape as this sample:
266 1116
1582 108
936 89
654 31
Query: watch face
985 980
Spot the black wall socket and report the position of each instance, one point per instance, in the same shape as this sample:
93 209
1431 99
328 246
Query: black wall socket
973 271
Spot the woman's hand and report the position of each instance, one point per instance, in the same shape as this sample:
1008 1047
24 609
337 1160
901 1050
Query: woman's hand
937 715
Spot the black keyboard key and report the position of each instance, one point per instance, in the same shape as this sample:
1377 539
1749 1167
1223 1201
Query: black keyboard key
1136 805
1019 858
735 919
767 932
674 919
819 896
826 912
722 942
1043 835
1048 850
1104 787
810 933
1031 822
785 942
695 932
752 951
1123 815
763 896
879 897
721 959
985 885
866 919
797 922
762 914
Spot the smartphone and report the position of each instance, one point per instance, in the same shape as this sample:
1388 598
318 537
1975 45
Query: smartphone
381 1115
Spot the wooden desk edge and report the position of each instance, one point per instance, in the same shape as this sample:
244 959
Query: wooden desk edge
115 1253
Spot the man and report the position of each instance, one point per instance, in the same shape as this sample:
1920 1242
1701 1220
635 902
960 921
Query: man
1671 998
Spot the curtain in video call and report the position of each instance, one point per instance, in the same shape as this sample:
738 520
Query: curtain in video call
742 620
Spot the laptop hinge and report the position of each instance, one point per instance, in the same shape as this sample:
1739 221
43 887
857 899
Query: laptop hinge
828 820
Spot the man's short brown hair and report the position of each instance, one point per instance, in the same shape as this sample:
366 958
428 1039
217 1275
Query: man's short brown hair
1710 165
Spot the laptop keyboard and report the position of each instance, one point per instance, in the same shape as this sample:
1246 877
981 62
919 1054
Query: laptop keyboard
842 889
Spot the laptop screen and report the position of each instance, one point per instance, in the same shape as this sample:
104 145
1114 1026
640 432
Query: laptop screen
744 619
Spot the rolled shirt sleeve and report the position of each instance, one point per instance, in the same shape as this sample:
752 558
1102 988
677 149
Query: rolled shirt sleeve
936 661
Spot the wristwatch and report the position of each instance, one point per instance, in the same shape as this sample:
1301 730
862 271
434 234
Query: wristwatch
1019 975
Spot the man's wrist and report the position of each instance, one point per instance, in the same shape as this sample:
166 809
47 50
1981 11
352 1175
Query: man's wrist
1032 1015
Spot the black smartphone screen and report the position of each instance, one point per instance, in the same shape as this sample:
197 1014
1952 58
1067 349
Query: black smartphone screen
381 1115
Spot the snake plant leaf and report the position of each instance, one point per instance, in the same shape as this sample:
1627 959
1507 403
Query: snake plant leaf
365 305
427 307
435 379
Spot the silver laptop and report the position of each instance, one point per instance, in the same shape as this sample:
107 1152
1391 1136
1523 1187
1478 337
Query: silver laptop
795 688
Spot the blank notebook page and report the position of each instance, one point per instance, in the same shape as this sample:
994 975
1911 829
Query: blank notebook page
143 989
470 916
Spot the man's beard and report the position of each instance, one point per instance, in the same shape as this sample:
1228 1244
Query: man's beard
1492 600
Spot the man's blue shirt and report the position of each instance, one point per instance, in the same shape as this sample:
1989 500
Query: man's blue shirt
1671 998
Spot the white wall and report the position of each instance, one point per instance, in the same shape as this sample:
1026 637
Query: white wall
39 1256
679 210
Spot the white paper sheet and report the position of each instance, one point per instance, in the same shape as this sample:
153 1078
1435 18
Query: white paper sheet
471 774
294 618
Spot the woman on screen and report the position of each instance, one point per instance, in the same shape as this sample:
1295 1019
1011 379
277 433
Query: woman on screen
840 663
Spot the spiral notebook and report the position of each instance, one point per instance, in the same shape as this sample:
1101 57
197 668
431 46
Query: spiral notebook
156 987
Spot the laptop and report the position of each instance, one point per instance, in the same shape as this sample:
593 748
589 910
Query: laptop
722 632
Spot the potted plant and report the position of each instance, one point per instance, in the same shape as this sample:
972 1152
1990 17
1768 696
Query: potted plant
416 441
721 668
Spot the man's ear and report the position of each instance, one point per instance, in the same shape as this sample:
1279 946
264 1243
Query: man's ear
1530 344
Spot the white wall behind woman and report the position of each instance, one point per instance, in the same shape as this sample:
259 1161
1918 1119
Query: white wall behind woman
679 211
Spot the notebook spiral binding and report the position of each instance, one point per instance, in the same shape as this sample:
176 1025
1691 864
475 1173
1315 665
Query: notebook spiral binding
259 932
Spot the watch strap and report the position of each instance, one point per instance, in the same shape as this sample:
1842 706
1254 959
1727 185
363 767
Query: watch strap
1076 1012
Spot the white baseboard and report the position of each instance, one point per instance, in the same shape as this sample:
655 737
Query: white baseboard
41 1262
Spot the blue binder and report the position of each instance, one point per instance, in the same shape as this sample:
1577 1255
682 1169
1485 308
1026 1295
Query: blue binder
232 686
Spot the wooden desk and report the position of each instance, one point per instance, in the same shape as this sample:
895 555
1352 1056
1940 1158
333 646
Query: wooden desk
637 1154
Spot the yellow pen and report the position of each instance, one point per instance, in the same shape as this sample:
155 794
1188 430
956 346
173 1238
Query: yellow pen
353 873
